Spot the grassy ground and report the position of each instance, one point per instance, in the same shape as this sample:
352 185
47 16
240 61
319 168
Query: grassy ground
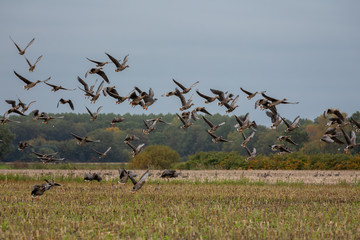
179 210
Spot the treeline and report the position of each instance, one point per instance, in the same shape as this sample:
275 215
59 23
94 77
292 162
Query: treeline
56 137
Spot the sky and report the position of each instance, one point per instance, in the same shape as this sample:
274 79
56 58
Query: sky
305 51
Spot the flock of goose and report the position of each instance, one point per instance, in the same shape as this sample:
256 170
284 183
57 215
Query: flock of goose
145 99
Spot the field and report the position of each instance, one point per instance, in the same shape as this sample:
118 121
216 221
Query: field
200 205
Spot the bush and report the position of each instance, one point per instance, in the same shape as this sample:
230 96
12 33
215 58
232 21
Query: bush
155 157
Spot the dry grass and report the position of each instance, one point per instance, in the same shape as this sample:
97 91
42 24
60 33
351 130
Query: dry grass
175 210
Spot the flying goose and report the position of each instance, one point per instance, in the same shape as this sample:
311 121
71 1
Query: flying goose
331 138
212 126
117 120
23 145
275 119
111 91
221 96
5 119
350 140
24 106
124 175
99 72
46 118
208 99
216 139
102 155
86 89
138 184
66 101
184 89
186 123
119 66
130 138
22 51
39 190
357 124
94 115
149 128
37 115
231 107
245 123
94 97
148 99
58 87
246 139
136 150
82 140
14 107
159 119
32 66
275 101
98 64
250 94
281 147
293 125
251 154
287 139
92 177
29 84
185 104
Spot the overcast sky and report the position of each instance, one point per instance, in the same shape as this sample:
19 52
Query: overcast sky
306 51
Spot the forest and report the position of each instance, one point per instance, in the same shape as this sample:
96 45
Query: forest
56 137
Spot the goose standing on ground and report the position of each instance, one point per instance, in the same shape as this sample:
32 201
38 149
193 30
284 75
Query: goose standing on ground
169 174
32 66
183 88
82 140
22 51
94 115
119 66
138 184
66 101
102 155
92 177
29 84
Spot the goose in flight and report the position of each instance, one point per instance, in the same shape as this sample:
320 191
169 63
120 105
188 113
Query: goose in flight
185 89
281 147
212 126
94 115
246 139
66 101
185 104
291 126
186 123
58 87
136 150
124 175
149 127
22 51
119 66
207 98
216 139
32 66
130 138
99 72
5 119
23 145
138 184
39 190
117 120
29 84
287 139
251 154
250 94
98 64
82 140
102 155
350 140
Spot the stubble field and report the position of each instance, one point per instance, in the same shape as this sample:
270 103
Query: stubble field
186 208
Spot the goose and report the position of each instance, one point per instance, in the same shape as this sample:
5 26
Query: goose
185 104
46 118
331 138
117 120
58 87
22 51
136 150
250 94
186 123
221 96
138 184
212 126
94 97
251 154
46 160
86 89
148 99
281 147
350 140
293 125
130 138
184 89
169 174
89 177
94 115
216 139
66 101
357 124
149 128
287 139
246 139
231 107
102 155
37 115
245 123
29 84
23 145
124 175
99 72
275 101
14 107
158 120
338 118
275 119
208 99
98 64
39 190
111 91
24 106
5 119
119 66
32 66
82 140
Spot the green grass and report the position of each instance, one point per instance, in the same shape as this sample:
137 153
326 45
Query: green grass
179 209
